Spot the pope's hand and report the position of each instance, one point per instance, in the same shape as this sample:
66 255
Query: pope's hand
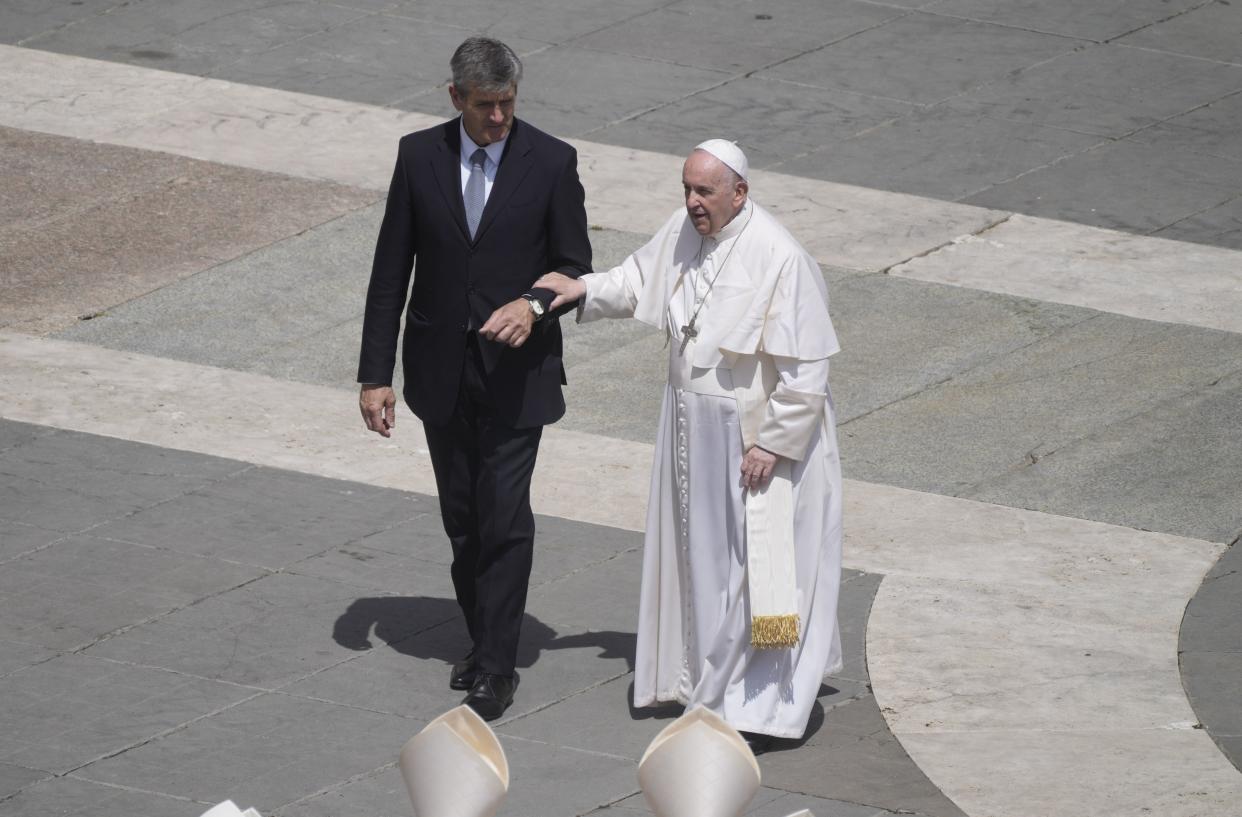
567 289
510 323
757 467
379 409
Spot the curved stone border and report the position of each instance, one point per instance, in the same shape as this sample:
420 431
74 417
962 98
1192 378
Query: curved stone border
1211 653
1028 662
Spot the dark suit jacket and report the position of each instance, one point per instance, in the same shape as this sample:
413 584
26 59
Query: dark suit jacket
534 222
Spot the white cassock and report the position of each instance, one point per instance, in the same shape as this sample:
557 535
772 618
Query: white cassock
762 329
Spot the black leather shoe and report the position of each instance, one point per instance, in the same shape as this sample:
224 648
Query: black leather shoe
491 694
462 676
758 743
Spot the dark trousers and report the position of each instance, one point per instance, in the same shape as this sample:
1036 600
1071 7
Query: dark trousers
483 470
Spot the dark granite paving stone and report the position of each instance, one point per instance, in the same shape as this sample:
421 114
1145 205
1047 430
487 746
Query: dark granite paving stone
1123 474
561 88
543 21
922 58
589 598
853 609
68 595
376 59
1220 226
56 482
736 35
268 517
382 793
269 633
13 434
21 20
104 238
18 655
263 753
1209 625
1213 683
190 36
575 782
851 756
15 778
792 803
17 538
409 676
1109 395
1212 31
1121 185
775 120
944 152
74 797
1107 90
1214 130
74 709
1092 21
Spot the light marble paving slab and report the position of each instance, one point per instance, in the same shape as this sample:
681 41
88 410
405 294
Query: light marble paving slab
1152 278
978 636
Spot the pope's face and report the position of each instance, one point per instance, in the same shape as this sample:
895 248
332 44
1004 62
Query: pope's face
712 197
488 116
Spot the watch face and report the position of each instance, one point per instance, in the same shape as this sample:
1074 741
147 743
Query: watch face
536 307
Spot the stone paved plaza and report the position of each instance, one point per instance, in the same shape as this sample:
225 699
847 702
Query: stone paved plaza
215 584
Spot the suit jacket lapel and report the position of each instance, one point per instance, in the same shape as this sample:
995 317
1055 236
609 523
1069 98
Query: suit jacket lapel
446 165
515 163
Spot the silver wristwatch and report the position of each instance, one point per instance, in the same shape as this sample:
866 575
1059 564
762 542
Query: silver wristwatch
536 305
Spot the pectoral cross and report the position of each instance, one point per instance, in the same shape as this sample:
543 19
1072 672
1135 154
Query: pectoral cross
688 333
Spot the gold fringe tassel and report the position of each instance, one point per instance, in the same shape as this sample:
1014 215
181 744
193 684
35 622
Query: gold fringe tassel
774 632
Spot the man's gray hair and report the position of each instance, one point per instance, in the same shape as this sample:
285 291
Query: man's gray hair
484 64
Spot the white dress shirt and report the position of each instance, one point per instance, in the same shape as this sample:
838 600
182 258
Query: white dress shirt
494 151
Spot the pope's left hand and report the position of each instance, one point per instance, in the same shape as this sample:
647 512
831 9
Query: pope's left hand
757 467
510 324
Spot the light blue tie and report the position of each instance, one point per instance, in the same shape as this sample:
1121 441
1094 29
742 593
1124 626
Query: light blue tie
476 189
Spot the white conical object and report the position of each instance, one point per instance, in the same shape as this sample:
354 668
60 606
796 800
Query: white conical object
455 767
806 812
698 766
229 809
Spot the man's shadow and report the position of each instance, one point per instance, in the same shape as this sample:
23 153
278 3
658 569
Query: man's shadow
416 626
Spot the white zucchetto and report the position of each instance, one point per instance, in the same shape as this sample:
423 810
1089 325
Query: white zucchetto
729 153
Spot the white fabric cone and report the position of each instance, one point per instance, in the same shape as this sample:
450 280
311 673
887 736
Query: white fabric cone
455 767
698 766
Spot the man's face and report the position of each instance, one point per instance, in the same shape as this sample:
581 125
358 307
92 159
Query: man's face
712 197
488 116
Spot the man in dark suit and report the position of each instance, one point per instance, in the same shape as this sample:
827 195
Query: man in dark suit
481 207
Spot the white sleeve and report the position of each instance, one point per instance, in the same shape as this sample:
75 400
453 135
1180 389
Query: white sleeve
795 408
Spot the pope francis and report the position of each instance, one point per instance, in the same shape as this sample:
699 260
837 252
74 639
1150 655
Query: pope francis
742 557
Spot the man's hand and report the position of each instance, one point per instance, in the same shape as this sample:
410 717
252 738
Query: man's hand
757 467
510 324
567 289
379 409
